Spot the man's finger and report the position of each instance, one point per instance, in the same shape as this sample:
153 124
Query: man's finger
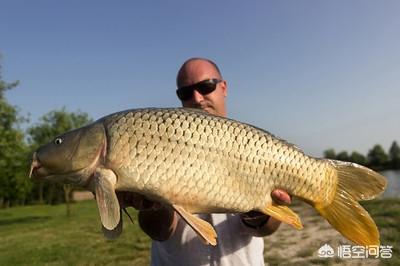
281 197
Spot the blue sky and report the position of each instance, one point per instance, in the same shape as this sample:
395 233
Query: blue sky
320 74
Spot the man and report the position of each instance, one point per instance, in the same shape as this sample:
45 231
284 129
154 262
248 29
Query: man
200 85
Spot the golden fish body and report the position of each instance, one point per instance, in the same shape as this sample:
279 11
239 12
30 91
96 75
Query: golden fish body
208 163
200 163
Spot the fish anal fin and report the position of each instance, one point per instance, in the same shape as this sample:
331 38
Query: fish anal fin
283 214
201 227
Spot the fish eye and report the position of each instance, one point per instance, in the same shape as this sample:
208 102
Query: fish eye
58 141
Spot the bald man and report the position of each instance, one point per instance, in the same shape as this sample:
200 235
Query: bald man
200 85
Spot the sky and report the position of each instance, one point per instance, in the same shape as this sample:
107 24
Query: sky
320 74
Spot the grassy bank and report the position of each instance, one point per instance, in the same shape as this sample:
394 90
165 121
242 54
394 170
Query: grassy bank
386 213
43 235
38 235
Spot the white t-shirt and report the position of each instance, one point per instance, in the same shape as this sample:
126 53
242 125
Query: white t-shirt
235 245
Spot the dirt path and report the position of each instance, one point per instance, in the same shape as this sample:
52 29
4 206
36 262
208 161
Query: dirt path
288 246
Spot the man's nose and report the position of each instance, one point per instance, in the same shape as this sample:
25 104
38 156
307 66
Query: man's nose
197 96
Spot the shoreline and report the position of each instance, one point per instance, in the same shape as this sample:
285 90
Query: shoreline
300 247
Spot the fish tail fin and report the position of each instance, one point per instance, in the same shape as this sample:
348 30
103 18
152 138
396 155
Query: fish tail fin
344 213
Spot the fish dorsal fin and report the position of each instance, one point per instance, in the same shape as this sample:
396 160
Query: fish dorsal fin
204 230
107 200
283 214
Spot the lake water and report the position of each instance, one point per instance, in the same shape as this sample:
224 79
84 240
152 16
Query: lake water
393 186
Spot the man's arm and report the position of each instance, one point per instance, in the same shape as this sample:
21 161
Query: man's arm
156 220
159 222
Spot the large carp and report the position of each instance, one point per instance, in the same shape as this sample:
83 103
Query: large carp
201 163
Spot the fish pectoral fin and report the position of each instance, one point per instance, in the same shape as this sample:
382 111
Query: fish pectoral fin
107 201
114 233
283 214
201 227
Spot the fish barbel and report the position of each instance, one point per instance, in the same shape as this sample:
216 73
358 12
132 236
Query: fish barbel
201 163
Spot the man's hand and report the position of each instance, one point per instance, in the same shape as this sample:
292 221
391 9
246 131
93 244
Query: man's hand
135 200
156 220
258 220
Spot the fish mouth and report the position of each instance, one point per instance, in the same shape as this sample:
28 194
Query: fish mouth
36 171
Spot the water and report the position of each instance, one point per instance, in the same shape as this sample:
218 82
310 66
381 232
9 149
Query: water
393 186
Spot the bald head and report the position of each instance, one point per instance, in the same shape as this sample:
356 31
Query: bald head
196 69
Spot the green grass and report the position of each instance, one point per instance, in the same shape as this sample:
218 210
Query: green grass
44 235
386 214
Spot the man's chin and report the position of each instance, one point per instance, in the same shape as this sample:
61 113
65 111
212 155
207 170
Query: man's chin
205 108
208 110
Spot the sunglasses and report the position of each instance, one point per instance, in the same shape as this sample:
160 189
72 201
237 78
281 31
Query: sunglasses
204 87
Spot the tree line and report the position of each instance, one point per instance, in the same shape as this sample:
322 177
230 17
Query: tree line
17 146
376 158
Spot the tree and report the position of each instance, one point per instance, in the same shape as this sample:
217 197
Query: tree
343 156
52 124
377 157
394 155
330 154
358 158
14 185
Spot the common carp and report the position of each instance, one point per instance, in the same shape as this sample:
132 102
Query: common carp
200 163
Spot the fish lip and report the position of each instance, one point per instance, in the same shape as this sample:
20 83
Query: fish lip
35 166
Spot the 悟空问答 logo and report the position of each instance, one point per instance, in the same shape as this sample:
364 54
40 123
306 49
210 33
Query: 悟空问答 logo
326 251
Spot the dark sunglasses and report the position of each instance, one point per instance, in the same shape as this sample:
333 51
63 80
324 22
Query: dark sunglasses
204 87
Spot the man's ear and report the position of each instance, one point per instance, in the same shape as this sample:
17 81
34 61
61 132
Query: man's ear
224 88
